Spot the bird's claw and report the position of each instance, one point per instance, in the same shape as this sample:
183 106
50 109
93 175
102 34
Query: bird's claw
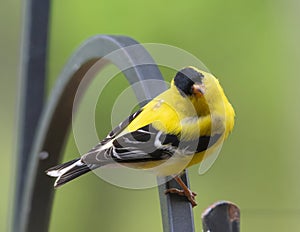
189 194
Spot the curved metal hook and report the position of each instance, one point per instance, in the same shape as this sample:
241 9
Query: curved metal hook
56 118
55 122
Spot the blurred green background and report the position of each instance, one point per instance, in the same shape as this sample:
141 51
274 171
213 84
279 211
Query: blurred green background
251 46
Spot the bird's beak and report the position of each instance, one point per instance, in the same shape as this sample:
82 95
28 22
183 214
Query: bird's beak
198 89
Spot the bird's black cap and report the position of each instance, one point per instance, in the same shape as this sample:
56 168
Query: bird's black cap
186 78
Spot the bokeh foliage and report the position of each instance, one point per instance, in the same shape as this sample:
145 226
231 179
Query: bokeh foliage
251 46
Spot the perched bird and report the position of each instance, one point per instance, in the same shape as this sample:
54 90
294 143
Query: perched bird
173 131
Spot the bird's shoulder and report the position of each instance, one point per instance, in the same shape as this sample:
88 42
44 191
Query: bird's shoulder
161 113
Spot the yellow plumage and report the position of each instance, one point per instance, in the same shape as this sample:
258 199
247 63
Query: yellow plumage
167 112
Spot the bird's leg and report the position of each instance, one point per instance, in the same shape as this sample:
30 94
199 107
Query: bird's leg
185 191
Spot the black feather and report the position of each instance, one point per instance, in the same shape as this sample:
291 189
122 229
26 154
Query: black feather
72 174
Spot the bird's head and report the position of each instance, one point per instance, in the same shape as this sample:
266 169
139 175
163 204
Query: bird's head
193 84
205 93
190 82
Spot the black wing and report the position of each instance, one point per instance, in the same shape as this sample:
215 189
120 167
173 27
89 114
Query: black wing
147 144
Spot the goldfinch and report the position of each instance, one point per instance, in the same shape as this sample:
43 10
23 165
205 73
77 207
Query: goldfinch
175 130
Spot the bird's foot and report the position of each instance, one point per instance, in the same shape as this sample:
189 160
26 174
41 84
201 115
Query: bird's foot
184 192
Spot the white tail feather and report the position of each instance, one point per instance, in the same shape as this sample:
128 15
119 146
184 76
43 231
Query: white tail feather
60 172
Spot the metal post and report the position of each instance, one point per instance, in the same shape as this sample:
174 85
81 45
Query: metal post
177 214
33 76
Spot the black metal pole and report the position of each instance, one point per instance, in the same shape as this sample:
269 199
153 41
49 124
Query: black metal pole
33 76
177 213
